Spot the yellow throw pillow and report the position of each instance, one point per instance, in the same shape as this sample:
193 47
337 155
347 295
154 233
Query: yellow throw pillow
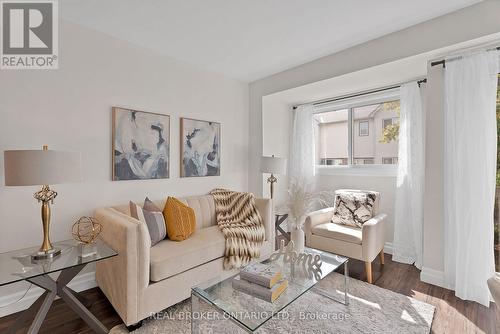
180 219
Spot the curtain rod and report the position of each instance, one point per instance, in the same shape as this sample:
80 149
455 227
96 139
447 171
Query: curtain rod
360 94
443 61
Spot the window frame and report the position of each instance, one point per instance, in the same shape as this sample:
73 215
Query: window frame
387 119
350 103
367 122
394 120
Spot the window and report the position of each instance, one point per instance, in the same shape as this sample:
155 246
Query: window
388 122
364 128
334 130
383 141
363 133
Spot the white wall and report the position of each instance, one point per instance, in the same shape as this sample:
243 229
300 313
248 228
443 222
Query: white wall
70 109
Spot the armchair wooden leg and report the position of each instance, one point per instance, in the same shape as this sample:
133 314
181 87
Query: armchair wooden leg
381 254
368 268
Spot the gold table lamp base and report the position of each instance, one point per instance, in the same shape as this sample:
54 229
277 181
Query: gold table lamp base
46 255
46 196
272 180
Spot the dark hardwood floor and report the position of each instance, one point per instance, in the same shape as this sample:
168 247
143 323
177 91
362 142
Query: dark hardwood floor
452 315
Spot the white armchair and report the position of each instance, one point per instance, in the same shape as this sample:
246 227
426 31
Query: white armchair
358 243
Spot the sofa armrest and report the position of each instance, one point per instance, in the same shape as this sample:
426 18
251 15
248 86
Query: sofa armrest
373 236
265 208
317 217
123 277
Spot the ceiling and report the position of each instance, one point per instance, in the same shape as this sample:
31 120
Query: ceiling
251 39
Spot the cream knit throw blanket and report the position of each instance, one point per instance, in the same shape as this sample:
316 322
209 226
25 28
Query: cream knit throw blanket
241 224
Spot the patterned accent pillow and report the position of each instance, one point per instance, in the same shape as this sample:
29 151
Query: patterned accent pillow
353 209
181 219
152 216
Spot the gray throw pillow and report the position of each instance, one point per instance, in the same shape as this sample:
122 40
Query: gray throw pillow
353 209
152 216
150 206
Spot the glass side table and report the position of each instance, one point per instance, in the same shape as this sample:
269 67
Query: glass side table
18 266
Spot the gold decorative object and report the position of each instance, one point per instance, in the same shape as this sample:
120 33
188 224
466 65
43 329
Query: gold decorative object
86 230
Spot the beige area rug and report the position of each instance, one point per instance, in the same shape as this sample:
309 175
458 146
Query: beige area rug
371 310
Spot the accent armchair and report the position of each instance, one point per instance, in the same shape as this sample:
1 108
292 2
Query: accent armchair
358 243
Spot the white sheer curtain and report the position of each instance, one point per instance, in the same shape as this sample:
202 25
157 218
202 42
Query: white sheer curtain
302 153
470 147
408 223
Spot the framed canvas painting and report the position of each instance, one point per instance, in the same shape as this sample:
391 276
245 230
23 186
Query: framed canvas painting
141 145
200 148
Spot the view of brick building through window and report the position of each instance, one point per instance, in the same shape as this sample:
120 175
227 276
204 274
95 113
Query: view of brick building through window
375 130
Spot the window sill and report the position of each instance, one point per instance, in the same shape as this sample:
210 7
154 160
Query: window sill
374 170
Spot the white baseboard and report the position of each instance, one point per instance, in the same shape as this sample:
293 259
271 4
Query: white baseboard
13 302
432 276
427 275
388 248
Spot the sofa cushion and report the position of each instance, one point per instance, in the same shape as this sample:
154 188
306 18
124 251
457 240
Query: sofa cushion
180 219
338 232
169 258
203 206
204 209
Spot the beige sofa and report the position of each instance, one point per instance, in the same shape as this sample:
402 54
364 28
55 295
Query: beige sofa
143 280
358 243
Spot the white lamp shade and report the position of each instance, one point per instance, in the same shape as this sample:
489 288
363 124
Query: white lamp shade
41 167
273 165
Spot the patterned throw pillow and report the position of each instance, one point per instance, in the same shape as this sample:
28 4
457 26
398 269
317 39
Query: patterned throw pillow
181 219
353 209
152 216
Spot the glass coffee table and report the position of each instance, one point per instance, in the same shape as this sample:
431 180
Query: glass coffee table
19 266
250 313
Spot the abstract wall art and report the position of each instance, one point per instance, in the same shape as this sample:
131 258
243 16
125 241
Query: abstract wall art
200 148
141 145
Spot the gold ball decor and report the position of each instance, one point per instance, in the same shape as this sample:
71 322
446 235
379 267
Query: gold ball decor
86 230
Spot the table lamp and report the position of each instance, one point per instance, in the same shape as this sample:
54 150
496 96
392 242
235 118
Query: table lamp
42 167
273 165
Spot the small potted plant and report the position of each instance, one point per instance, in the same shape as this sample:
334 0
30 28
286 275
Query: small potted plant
299 203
